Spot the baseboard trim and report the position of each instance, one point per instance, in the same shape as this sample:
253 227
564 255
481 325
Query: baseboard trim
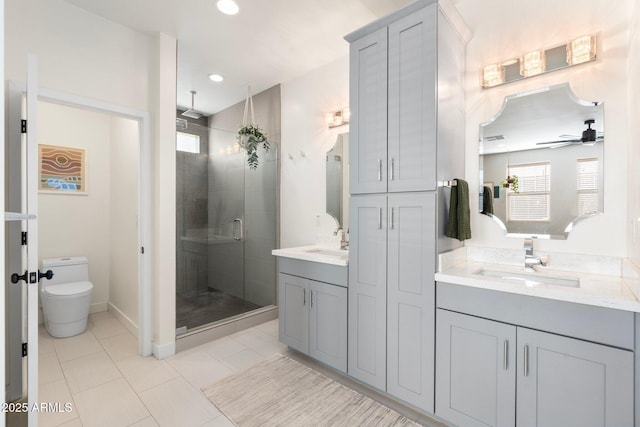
124 319
162 351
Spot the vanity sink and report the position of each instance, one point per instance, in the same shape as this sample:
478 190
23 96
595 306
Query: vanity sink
531 279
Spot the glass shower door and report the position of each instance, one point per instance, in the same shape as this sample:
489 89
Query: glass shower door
226 230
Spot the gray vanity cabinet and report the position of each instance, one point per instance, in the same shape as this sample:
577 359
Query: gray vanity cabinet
573 383
393 106
482 365
475 370
313 314
391 294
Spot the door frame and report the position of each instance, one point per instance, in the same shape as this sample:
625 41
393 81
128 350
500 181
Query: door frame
145 194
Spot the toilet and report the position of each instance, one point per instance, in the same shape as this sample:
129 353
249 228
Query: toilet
67 296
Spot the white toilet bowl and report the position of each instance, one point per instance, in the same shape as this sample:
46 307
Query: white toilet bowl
66 298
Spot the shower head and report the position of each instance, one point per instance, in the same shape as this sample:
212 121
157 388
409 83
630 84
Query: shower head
191 112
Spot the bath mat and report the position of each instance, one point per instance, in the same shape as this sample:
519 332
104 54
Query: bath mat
282 392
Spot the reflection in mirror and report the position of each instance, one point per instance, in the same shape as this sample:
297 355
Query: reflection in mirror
541 163
338 181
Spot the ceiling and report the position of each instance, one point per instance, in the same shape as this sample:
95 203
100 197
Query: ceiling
266 43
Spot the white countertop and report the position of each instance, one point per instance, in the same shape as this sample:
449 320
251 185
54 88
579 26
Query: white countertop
597 290
316 254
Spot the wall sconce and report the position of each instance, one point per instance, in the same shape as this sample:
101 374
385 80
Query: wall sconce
577 51
338 118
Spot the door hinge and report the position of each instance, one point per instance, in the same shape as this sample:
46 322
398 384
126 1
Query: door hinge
23 126
23 239
24 349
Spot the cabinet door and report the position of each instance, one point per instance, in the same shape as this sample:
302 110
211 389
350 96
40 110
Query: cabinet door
568 382
367 342
294 312
368 123
412 101
475 370
411 298
328 324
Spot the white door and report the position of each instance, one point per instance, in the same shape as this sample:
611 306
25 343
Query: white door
26 279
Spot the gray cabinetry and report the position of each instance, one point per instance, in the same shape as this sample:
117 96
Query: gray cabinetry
313 314
482 365
368 289
406 93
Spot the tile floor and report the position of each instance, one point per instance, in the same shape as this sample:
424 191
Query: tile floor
100 373
108 384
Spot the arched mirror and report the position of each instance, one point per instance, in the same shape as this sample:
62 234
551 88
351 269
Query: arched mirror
541 163
338 181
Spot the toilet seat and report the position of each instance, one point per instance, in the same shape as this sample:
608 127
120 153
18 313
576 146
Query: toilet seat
69 289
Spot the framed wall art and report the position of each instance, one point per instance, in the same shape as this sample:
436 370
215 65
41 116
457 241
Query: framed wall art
62 170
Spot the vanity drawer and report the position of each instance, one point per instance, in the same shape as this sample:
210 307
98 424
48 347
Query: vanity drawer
598 324
321 272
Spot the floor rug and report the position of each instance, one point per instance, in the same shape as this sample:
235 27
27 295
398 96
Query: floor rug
282 392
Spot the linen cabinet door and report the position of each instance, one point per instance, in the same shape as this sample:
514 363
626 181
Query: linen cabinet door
367 343
294 312
568 382
412 101
475 371
368 123
328 324
411 298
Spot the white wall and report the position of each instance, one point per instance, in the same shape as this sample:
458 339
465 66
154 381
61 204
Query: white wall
305 101
78 225
504 29
124 157
83 54
634 129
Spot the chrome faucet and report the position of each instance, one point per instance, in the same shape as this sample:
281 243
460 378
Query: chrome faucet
531 261
344 243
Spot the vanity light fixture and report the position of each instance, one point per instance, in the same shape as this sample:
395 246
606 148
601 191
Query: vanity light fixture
228 7
216 78
338 118
532 63
577 51
582 49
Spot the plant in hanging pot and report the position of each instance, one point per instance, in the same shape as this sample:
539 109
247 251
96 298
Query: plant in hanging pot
250 137
511 182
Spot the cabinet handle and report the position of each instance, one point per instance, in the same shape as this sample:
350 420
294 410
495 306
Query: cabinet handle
380 219
391 169
304 297
391 218
506 355
312 298
379 169
526 360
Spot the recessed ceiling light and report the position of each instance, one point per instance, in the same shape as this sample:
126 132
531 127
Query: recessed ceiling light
216 78
228 7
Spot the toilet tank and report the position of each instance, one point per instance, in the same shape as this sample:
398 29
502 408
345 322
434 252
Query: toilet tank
65 270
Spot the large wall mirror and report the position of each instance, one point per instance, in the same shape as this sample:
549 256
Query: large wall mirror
338 181
541 163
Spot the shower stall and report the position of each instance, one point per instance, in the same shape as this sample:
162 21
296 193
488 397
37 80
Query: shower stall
226 227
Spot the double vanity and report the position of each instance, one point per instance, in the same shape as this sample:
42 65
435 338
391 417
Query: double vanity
513 347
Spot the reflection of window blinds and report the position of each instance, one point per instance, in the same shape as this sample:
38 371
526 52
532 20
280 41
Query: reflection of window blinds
587 173
531 203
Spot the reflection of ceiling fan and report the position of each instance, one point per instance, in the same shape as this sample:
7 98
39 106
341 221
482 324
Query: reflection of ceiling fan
589 137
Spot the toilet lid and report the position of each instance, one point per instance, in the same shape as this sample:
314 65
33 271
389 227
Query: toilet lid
72 288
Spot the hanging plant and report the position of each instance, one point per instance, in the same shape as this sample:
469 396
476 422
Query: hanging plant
511 182
250 136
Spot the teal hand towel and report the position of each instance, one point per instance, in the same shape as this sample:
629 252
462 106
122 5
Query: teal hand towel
459 225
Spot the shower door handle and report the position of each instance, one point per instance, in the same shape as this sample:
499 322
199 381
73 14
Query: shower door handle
238 236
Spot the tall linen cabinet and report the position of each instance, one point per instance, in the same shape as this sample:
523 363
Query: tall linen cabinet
406 138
